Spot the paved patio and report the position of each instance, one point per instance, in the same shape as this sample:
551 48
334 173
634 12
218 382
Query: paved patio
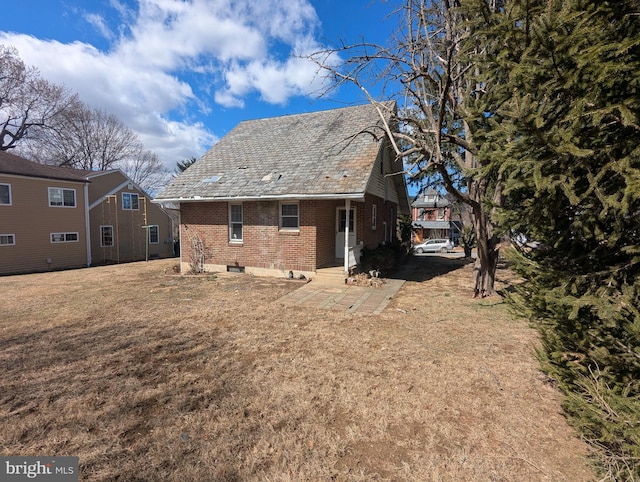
348 298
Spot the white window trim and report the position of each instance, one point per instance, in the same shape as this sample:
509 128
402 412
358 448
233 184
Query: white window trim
374 216
157 233
13 239
10 196
51 235
283 228
113 241
63 189
131 203
241 222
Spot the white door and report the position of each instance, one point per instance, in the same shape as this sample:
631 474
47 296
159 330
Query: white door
341 221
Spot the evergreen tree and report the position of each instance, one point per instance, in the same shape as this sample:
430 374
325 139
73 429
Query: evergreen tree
182 166
566 141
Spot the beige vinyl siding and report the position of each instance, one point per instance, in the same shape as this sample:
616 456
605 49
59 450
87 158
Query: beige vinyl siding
31 220
102 183
129 236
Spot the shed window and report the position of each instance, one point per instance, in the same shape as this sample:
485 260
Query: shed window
106 236
129 201
154 234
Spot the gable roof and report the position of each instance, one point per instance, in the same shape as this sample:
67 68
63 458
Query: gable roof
431 199
19 166
326 154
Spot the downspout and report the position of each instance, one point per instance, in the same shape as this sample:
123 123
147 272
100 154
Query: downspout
180 238
87 224
346 237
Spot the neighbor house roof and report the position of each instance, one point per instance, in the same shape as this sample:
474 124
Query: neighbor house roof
327 154
19 166
442 202
431 224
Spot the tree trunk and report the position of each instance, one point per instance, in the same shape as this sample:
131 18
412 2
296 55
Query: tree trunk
484 270
488 244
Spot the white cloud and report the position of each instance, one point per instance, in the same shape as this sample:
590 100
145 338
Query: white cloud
99 24
170 58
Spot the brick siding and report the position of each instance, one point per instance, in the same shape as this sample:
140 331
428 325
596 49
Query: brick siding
264 245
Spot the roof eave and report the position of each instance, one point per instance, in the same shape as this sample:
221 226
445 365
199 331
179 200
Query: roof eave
330 196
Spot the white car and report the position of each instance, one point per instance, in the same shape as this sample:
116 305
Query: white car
434 246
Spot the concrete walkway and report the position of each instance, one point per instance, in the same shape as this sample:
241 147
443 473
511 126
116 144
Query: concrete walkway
348 298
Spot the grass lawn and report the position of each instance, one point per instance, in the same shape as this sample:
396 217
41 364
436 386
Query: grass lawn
150 376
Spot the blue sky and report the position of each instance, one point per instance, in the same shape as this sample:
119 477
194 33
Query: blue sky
182 74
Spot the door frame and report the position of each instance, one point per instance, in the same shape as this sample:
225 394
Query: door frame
353 240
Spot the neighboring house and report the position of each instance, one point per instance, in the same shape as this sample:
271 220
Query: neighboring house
291 194
431 216
55 218
43 217
125 224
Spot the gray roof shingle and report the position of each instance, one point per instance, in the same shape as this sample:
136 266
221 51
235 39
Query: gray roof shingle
320 154
18 166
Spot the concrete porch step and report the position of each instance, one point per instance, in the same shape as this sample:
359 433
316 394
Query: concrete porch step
330 276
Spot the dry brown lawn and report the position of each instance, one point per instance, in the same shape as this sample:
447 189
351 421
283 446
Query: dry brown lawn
150 376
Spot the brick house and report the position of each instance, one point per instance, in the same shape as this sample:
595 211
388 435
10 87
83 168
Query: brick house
291 194
431 218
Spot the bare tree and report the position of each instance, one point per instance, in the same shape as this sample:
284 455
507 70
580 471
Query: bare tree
28 103
429 67
146 170
44 122
91 139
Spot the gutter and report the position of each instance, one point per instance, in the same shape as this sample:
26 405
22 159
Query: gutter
331 197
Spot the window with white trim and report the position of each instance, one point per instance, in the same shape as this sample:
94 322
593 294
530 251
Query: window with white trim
392 227
64 237
130 201
374 216
106 236
61 197
154 234
289 216
5 194
7 239
235 223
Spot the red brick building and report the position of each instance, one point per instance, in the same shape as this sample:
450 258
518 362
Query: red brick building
431 216
291 194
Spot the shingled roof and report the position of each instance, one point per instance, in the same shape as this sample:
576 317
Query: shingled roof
19 166
326 154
